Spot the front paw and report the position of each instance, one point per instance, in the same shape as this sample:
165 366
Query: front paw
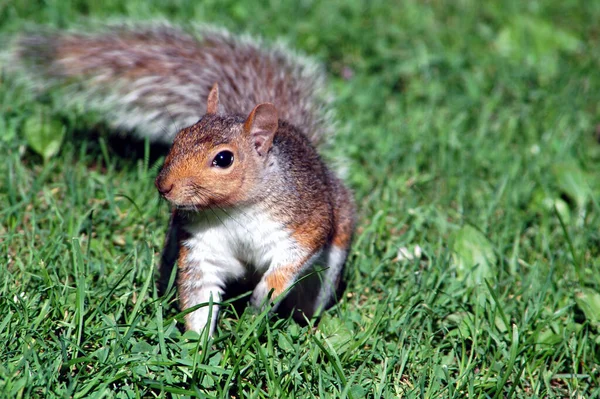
260 296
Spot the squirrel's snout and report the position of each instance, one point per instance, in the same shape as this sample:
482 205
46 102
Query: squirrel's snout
164 190
162 187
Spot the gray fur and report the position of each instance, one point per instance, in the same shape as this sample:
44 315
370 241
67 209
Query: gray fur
153 79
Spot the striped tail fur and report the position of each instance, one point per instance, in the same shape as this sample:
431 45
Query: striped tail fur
153 79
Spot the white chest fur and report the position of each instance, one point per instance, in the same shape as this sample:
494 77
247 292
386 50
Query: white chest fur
223 245
226 243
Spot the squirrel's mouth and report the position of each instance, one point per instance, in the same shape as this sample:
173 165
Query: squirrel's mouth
190 207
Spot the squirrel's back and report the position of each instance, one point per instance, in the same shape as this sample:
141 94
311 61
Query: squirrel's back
154 78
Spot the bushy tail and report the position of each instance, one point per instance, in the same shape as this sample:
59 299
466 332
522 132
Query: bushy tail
154 78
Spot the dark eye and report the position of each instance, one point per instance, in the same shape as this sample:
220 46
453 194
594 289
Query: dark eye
224 159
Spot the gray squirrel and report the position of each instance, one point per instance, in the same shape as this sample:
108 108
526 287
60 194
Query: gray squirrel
249 193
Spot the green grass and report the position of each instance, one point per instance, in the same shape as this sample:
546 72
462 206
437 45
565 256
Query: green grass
469 128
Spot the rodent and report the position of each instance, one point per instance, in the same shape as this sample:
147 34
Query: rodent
250 194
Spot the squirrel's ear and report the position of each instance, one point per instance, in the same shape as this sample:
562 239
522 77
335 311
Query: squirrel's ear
261 125
212 103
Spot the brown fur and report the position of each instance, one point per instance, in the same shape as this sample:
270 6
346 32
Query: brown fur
279 280
188 169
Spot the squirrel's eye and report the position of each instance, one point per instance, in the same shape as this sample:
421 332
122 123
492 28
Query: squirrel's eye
224 159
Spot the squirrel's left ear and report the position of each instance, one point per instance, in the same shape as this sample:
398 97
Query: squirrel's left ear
261 125
212 103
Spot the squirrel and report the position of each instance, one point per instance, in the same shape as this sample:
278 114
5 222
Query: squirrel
249 193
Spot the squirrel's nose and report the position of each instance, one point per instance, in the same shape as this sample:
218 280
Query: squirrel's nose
163 188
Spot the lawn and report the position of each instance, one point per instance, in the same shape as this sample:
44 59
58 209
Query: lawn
468 132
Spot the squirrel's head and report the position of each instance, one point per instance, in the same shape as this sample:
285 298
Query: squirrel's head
217 161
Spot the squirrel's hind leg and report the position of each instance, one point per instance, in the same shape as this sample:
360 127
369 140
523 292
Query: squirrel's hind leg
336 254
331 278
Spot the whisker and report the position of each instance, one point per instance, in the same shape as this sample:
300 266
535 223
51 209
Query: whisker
222 223
239 209
237 222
